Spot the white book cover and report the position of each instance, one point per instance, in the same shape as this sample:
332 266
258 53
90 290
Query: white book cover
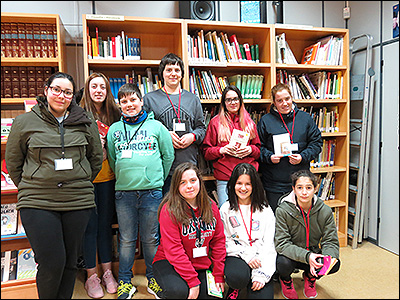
26 265
5 265
239 138
282 145
8 218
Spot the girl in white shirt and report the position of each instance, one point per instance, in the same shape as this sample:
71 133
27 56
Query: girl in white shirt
249 226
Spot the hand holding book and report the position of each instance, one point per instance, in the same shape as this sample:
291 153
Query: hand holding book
328 263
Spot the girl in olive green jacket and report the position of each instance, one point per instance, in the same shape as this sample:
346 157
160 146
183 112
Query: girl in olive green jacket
305 233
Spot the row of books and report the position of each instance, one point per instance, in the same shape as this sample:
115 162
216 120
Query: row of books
326 118
314 85
326 186
218 47
205 85
326 51
24 82
18 264
326 158
146 83
120 46
250 85
31 40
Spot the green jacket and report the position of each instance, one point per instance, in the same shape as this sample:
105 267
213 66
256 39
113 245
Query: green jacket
290 230
34 143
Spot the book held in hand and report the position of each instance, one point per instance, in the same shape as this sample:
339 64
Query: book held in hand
239 138
282 145
328 262
103 128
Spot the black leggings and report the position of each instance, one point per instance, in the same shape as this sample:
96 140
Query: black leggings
238 276
173 285
285 267
55 238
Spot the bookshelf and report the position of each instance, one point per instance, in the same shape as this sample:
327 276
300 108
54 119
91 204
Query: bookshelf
11 107
160 36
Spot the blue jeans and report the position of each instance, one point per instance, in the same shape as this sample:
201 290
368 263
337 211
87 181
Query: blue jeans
222 192
137 209
98 235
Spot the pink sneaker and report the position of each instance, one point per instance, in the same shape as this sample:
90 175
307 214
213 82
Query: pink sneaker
109 282
309 286
288 290
93 287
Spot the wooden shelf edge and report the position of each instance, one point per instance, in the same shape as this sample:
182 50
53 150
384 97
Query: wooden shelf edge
335 203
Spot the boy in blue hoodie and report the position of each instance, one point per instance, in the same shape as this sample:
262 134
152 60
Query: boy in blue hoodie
141 154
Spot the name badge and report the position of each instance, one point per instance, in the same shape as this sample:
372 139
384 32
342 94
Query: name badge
200 252
294 147
180 126
63 164
126 154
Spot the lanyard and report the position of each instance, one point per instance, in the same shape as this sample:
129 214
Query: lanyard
307 223
126 133
291 134
178 114
196 224
61 124
251 222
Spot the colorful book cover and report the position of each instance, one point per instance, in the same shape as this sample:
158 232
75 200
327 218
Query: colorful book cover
26 265
5 128
8 218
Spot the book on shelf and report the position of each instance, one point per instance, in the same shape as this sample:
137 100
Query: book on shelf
14 40
284 54
21 40
9 265
239 138
26 265
5 128
310 54
9 216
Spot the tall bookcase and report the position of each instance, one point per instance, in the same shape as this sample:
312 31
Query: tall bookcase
160 36
25 288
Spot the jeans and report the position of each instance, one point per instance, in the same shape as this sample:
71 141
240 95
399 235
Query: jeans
98 235
137 210
222 192
56 238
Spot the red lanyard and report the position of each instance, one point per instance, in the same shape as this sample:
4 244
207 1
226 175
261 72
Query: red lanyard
307 226
179 106
251 222
291 134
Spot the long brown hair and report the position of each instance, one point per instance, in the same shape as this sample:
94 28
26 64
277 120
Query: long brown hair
246 123
177 205
110 111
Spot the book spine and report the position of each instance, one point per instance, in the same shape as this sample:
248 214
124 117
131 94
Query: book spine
14 40
44 41
36 41
21 40
7 40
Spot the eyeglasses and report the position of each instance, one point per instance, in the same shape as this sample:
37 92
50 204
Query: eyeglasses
232 100
56 91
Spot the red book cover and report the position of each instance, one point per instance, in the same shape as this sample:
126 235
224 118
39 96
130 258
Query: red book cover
103 128
234 41
113 47
29 40
246 47
21 40
309 54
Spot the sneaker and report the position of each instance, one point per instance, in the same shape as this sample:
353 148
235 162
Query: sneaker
109 282
154 289
93 287
232 294
309 286
125 290
288 290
